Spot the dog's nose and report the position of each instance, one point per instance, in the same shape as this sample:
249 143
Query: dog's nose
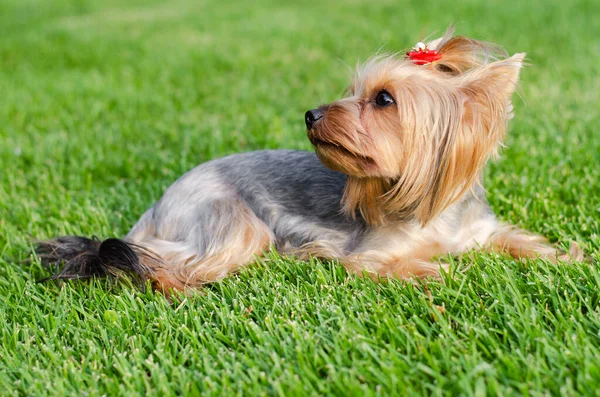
312 116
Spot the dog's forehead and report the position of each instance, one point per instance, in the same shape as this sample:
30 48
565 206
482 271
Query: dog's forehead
380 72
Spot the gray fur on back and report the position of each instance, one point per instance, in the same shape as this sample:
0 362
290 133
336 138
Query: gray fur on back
295 180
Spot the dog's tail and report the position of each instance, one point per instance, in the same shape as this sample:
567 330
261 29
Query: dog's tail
84 258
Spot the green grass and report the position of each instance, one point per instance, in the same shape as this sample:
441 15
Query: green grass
105 103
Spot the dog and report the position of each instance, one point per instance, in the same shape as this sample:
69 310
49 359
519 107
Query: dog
394 182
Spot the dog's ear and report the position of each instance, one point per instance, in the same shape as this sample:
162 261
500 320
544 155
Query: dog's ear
487 91
500 77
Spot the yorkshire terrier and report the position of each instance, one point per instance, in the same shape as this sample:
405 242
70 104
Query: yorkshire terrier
396 180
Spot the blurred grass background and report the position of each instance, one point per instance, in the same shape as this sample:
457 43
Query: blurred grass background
104 104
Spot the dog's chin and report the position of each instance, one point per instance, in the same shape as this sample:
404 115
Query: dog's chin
336 157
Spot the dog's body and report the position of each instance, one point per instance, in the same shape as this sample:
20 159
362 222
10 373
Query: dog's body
239 206
394 183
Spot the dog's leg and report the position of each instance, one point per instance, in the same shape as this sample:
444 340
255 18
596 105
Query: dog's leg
520 243
378 264
227 235
375 263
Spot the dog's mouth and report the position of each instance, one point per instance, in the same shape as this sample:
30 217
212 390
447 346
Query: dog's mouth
330 151
321 143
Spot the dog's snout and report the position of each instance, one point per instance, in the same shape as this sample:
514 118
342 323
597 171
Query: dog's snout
312 116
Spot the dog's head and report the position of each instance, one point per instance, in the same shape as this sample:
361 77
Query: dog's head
414 138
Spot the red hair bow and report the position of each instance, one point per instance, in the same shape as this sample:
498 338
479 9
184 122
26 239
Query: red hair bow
421 55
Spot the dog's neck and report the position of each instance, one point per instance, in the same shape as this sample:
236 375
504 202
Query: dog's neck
370 198
364 196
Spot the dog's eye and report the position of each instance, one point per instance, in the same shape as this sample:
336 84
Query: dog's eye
384 99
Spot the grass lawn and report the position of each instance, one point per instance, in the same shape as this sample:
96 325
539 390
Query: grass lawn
105 103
